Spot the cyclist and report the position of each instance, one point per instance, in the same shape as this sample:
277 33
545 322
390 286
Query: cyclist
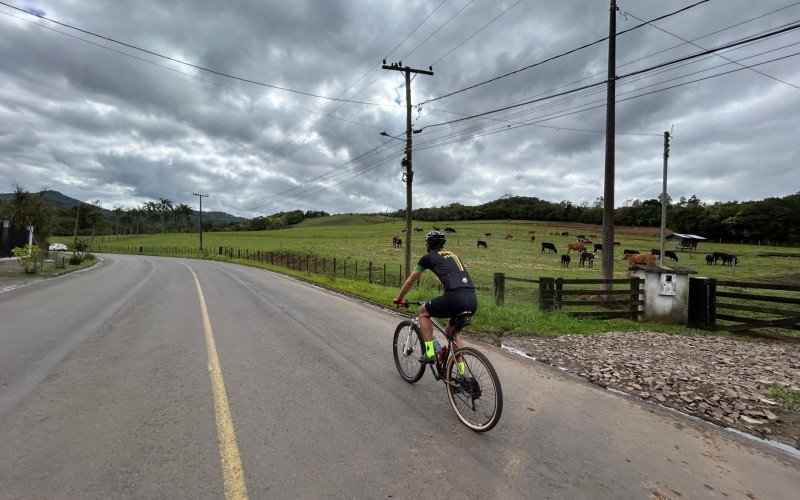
459 292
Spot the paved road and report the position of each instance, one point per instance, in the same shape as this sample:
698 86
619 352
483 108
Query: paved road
107 389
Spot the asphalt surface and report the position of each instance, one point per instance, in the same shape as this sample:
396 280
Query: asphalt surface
106 391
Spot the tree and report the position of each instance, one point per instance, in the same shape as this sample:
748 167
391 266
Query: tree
164 207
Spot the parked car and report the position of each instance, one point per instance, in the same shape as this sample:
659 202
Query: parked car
57 246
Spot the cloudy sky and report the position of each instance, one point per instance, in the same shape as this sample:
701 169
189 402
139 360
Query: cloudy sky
98 120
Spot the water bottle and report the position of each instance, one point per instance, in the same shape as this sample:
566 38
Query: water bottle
436 346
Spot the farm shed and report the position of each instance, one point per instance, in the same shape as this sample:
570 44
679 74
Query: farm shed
685 241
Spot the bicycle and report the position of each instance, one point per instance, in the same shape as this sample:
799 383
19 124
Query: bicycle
476 395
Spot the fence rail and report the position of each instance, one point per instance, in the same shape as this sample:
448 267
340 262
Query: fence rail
753 314
602 304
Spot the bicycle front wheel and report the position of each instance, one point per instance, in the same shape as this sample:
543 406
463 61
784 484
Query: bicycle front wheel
476 395
408 347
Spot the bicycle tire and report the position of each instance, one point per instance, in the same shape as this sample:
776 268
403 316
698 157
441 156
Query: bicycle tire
478 407
407 360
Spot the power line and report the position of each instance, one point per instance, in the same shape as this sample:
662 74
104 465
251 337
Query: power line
718 55
195 66
791 27
563 54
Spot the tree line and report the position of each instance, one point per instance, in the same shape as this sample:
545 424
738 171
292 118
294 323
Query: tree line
772 220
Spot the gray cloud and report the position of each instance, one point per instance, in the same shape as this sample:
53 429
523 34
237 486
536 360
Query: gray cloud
96 124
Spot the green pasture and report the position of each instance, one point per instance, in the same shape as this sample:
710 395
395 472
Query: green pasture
369 239
366 238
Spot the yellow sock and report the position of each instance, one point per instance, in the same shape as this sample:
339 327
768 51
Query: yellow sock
461 367
429 351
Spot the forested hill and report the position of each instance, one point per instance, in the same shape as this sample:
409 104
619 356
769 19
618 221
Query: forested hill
769 220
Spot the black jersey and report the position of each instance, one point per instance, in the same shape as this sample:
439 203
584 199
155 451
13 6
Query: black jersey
448 268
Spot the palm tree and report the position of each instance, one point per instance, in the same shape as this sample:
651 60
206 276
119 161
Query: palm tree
184 211
118 213
151 208
165 206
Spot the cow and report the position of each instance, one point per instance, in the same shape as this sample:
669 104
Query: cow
552 233
548 246
564 233
531 232
533 238
637 258
586 257
483 244
396 241
616 243
630 252
488 235
579 237
565 260
598 247
449 230
667 253
399 242
436 228
417 229
509 236
729 259
709 259
575 246
585 241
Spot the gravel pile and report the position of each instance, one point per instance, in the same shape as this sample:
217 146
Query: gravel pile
726 381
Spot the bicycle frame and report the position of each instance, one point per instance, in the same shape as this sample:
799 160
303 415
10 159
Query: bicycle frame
449 338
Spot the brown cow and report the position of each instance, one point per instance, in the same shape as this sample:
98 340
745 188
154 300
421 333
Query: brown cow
616 243
509 236
395 241
644 258
488 235
531 232
575 246
585 241
436 228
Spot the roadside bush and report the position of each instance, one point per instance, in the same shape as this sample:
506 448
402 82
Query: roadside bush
76 259
89 256
27 257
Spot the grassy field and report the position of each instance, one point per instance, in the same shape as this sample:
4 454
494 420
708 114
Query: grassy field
368 238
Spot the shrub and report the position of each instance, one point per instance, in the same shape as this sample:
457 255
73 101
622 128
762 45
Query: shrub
76 259
27 257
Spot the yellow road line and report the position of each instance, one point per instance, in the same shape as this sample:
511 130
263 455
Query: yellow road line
232 471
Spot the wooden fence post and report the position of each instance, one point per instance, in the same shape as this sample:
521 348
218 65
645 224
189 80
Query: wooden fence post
355 274
384 274
499 288
634 308
547 294
559 295
369 274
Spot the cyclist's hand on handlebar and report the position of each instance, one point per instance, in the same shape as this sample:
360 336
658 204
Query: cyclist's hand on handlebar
400 302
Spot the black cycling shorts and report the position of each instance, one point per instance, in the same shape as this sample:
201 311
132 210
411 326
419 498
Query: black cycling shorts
451 305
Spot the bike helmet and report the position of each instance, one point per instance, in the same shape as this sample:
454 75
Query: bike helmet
435 239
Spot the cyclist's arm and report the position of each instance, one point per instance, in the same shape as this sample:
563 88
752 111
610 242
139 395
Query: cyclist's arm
412 278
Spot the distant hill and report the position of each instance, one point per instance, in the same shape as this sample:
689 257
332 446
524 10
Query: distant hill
62 201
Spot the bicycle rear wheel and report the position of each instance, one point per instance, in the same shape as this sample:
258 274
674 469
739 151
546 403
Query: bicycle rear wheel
476 397
408 347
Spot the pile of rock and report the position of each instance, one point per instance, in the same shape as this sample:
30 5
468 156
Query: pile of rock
724 380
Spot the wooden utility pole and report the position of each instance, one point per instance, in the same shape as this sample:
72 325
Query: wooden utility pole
664 199
409 171
607 263
201 217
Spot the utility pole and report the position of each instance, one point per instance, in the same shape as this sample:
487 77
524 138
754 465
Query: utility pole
75 232
201 217
409 172
607 263
664 199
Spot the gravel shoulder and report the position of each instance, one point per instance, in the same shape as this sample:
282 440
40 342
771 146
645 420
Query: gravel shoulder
726 381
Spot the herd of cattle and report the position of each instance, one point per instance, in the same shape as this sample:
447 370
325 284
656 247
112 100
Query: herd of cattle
585 256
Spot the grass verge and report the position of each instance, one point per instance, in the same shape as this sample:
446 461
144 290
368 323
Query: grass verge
491 319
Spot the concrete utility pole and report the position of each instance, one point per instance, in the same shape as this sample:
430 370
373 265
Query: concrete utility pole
664 198
75 232
201 217
607 263
409 172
